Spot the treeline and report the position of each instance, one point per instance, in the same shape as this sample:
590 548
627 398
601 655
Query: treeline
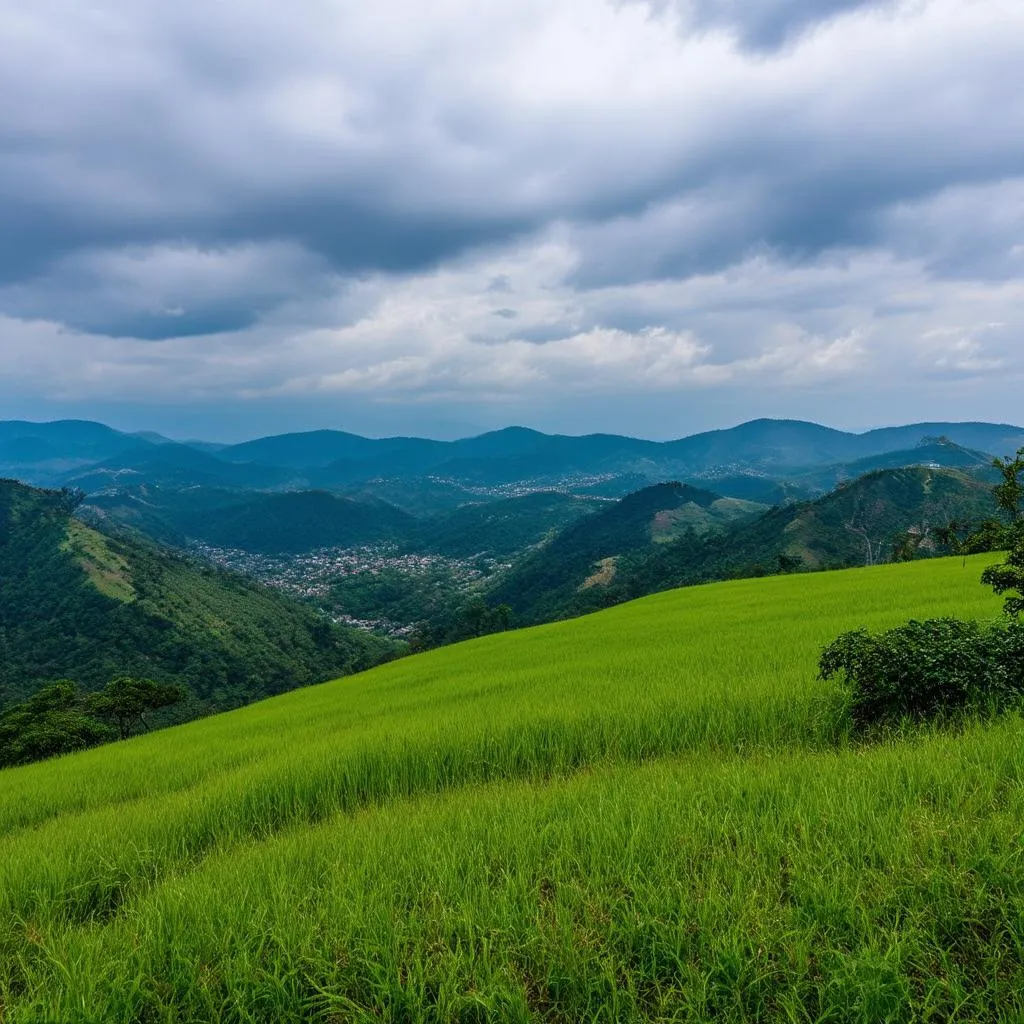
60 719
464 622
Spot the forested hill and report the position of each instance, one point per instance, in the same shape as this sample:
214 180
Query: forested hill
586 554
80 605
889 515
880 517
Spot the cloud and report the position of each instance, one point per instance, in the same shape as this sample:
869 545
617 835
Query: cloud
440 337
511 199
768 24
167 291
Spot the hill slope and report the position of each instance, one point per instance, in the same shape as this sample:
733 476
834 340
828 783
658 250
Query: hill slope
587 553
297 521
77 604
501 528
287 522
857 524
726 856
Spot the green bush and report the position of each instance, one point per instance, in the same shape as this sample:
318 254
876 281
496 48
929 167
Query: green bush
927 670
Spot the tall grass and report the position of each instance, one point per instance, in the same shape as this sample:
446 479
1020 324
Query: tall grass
122 866
865 886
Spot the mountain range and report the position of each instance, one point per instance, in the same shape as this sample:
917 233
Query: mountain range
420 538
749 461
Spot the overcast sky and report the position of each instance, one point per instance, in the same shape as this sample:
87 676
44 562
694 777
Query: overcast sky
237 218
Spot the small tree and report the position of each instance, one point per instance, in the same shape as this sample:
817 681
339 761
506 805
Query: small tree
51 722
125 702
929 669
1008 578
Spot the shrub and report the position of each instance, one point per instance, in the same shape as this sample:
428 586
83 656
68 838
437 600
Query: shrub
927 670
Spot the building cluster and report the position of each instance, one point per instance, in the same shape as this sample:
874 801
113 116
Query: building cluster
311 575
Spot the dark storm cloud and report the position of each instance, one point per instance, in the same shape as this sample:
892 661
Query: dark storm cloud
168 291
198 137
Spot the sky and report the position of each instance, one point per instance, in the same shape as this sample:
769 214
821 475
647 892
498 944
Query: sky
237 218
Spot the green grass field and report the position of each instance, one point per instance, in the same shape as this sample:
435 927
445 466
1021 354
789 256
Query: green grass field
652 813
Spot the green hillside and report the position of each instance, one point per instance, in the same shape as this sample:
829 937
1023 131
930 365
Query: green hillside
77 604
651 813
501 528
290 522
860 523
297 521
573 571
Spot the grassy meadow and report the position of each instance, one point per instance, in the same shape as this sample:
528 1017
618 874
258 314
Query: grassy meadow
651 813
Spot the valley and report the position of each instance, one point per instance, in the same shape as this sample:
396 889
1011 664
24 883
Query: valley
544 526
332 579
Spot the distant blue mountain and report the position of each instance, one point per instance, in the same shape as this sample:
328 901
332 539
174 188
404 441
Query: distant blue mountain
95 457
65 440
519 453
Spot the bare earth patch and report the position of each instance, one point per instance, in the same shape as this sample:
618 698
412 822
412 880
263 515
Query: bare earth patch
604 575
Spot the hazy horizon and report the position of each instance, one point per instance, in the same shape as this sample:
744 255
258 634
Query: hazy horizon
183 439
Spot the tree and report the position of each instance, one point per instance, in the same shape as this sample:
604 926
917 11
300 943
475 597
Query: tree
125 701
52 721
789 563
501 618
1008 578
905 545
69 499
941 667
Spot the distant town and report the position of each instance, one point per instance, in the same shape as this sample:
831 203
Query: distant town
311 576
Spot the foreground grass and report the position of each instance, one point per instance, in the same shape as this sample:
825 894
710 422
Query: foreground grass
177 877
862 886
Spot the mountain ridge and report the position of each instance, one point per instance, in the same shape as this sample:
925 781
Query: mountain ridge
793 458
609 558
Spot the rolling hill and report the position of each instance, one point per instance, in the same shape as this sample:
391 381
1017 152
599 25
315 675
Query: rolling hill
651 813
77 604
616 557
297 521
585 556
44 452
268 523
177 465
859 523
934 453
302 521
501 529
